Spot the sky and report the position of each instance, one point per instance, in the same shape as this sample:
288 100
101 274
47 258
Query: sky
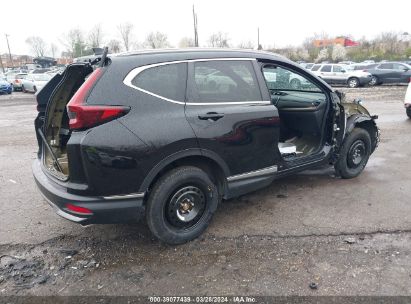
282 23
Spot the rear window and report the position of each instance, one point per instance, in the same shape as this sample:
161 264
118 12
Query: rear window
167 81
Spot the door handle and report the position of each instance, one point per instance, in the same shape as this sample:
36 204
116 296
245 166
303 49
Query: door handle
211 115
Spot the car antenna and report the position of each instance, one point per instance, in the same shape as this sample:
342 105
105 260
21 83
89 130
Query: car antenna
104 56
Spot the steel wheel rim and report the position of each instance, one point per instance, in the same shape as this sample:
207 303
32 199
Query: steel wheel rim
356 154
185 207
373 80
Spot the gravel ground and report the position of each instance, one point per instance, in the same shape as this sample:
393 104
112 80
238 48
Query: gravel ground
347 237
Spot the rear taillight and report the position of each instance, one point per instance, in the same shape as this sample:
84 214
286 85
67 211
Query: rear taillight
17 81
410 79
84 116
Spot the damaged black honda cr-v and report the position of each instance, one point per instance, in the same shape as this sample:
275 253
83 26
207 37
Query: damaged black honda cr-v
174 132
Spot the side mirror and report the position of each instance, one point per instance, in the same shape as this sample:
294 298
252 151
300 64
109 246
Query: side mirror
406 69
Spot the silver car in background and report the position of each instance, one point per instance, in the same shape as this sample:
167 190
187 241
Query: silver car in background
35 82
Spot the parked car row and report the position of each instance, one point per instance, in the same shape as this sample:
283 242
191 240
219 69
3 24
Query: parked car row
359 74
29 82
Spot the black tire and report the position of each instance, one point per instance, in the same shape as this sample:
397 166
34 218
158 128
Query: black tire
179 188
354 154
295 84
408 110
374 81
353 82
23 89
34 89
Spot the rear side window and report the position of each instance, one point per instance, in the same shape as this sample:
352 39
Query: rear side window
315 67
167 81
225 81
326 68
338 68
386 66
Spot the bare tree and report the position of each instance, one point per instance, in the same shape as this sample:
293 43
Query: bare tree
53 49
95 36
37 45
186 42
126 30
114 46
246 45
156 40
218 40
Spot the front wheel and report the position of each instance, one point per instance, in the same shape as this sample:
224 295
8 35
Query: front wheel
354 154
181 205
353 82
408 110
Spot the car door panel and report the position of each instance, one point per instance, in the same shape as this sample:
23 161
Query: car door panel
244 133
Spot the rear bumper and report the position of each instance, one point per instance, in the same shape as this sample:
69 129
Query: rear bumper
105 209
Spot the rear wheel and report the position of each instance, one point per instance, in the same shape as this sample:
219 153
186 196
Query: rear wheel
353 82
409 111
23 89
181 205
374 81
354 154
34 89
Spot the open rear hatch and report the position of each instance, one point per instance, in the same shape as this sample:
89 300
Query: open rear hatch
52 122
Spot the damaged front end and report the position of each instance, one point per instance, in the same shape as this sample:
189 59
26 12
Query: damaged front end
356 115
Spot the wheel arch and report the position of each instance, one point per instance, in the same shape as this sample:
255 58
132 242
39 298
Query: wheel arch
364 122
206 160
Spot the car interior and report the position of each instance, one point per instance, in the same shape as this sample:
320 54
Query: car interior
301 110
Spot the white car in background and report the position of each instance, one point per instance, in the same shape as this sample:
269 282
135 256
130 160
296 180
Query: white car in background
341 75
407 100
34 82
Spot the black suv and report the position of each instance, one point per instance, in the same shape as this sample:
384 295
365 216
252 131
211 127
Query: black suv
174 132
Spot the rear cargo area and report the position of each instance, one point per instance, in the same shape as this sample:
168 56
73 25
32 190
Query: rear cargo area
56 131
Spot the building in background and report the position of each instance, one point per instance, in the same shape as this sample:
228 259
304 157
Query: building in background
343 41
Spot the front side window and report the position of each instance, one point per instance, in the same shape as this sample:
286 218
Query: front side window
280 79
225 81
337 69
167 81
326 68
399 66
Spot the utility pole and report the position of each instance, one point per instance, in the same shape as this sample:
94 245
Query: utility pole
195 28
1 63
259 47
8 46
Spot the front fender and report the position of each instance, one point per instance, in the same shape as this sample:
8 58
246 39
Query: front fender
366 122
